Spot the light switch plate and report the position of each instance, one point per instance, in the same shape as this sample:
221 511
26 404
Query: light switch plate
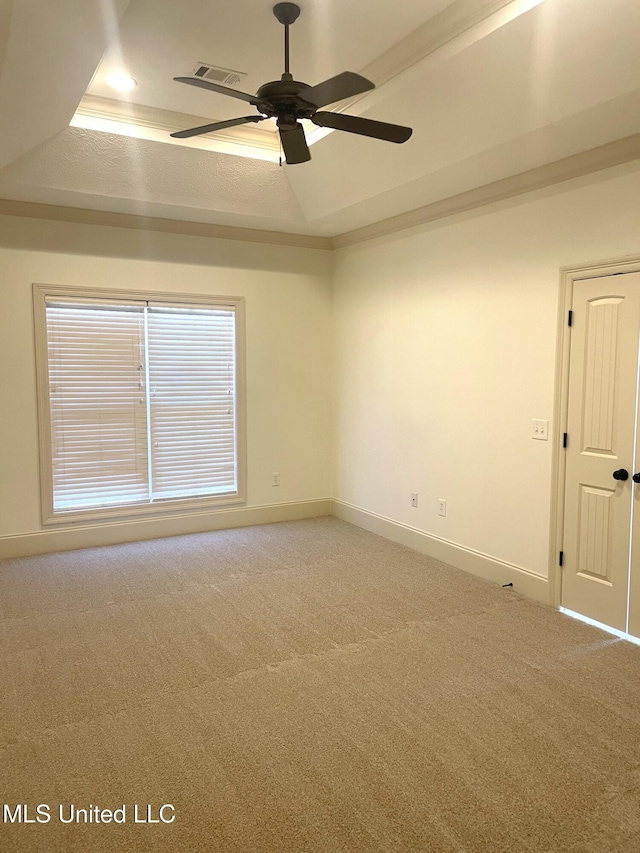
540 430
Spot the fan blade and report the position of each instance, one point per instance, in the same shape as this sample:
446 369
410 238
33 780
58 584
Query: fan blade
363 126
216 87
295 145
217 125
344 85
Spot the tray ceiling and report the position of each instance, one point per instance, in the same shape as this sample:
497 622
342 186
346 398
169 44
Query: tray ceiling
492 89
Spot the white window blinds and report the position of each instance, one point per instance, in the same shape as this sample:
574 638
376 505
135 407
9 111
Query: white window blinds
97 404
142 402
192 405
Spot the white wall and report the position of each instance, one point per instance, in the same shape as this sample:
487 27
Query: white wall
445 350
287 294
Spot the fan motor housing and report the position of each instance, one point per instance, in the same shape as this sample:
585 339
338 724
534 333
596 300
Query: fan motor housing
284 96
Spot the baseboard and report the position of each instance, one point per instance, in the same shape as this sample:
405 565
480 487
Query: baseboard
525 582
116 533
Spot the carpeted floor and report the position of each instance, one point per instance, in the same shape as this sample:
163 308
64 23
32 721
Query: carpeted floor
306 686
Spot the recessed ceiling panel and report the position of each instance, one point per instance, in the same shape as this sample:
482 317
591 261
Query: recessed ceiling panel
159 41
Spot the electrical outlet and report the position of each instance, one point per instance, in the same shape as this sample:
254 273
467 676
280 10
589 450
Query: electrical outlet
414 499
275 479
442 507
540 430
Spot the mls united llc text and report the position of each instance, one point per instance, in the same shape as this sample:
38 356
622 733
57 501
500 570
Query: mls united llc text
70 813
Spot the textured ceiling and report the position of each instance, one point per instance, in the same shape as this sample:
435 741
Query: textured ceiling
492 89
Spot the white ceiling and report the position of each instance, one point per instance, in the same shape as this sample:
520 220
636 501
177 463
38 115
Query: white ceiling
491 88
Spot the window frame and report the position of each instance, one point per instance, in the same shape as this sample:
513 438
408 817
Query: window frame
168 506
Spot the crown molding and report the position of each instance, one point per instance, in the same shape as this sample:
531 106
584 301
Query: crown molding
154 118
84 216
606 156
453 21
596 159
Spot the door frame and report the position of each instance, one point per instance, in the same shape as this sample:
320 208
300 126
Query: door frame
568 275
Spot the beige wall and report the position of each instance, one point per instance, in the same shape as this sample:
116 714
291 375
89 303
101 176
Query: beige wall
287 294
445 350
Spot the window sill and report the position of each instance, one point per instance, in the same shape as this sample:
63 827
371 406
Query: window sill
132 511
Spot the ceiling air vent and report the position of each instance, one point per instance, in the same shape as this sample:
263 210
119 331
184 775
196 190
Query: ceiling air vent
218 75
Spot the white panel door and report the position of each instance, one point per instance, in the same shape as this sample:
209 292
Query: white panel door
634 579
601 431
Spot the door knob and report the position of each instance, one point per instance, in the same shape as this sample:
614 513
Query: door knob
636 478
621 474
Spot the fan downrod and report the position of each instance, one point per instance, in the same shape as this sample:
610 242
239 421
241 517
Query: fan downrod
286 13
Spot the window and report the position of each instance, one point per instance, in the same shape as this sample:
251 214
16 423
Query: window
140 402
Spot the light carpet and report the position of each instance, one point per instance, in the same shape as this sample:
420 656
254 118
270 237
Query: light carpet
306 686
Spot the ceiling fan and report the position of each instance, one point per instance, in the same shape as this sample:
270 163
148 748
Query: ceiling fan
288 100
